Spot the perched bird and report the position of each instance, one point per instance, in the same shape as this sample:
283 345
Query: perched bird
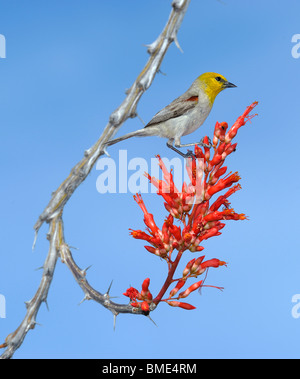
185 114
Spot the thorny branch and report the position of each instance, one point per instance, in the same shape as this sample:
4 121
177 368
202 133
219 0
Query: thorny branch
52 214
14 340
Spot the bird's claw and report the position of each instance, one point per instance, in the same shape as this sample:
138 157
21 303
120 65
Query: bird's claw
209 145
189 154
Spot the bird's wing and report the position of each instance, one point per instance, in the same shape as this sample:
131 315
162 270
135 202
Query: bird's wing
177 108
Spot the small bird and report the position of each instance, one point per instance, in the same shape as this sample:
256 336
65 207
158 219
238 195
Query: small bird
185 114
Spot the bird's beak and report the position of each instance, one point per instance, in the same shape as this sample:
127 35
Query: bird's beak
228 85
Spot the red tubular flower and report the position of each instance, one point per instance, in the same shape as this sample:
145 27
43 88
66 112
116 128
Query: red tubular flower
198 152
216 216
198 212
212 232
188 237
148 217
222 184
180 304
159 184
165 229
192 168
222 200
131 293
212 263
233 190
240 122
167 175
206 149
227 214
172 210
218 156
176 231
151 249
228 150
192 288
188 267
219 133
236 216
145 286
217 159
145 296
196 264
216 173
178 286
138 234
220 149
145 306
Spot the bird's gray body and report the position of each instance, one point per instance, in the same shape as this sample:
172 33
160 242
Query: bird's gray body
181 117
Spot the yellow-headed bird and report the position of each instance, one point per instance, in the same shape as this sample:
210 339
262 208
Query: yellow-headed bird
185 114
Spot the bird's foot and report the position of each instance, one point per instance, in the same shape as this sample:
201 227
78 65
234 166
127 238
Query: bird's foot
189 154
209 145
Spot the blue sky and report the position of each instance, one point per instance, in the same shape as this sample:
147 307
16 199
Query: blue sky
67 66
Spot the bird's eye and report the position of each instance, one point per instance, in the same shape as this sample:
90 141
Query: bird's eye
218 78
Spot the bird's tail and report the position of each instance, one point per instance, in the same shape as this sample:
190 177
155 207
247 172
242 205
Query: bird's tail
136 133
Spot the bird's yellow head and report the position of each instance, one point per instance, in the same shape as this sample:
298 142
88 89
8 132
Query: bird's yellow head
213 83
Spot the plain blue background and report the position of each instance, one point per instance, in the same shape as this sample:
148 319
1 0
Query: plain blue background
67 67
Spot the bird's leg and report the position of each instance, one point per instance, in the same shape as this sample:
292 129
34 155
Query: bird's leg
188 154
201 143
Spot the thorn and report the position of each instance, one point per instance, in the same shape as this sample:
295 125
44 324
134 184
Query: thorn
83 272
109 288
115 318
105 152
151 320
34 240
27 303
142 121
160 72
86 297
73 247
46 302
39 268
177 43
36 323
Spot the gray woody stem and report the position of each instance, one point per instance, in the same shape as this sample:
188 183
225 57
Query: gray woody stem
52 214
127 109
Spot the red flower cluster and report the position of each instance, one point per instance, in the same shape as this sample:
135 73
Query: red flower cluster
199 218
145 296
